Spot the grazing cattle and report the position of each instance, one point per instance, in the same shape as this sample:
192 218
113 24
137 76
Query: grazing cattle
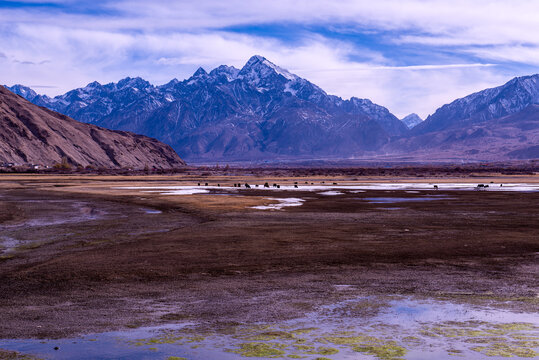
247 186
278 186
266 185
296 186
436 187
334 183
295 182
198 184
206 184
218 185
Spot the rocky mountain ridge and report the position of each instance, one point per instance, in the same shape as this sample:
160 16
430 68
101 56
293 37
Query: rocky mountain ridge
258 112
30 134
262 112
510 98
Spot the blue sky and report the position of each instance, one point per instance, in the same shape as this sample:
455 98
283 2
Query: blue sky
408 55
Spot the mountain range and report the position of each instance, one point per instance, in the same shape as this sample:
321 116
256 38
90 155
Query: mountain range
262 112
494 124
30 134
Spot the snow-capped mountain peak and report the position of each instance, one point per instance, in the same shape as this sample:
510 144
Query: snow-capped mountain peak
200 72
230 73
411 120
92 85
23 91
136 83
258 69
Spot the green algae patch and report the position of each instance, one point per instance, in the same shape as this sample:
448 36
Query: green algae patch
352 340
303 331
380 341
176 358
446 331
322 350
528 343
304 347
382 351
271 335
486 340
412 340
478 332
257 349
454 352
524 337
169 338
490 339
515 327
505 350
380 348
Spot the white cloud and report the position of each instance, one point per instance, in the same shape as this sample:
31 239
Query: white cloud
516 53
404 90
160 40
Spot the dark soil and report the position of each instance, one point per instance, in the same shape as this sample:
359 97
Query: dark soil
126 268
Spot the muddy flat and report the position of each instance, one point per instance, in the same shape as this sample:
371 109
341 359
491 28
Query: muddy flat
313 268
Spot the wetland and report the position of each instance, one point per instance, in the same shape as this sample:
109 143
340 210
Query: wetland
157 267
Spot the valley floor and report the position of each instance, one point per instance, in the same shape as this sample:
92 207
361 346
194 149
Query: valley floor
90 254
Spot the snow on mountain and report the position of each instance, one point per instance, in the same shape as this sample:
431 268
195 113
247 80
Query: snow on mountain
259 111
411 120
264 112
510 98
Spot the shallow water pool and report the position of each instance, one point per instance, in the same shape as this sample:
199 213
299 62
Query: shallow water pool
374 327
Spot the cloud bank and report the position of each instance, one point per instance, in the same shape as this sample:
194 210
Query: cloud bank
408 55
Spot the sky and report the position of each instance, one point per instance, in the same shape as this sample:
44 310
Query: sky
407 55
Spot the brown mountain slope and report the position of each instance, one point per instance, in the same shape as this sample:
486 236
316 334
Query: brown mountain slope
32 134
514 136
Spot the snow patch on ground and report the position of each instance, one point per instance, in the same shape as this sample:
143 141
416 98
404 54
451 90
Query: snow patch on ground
355 188
283 202
171 190
180 192
330 193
